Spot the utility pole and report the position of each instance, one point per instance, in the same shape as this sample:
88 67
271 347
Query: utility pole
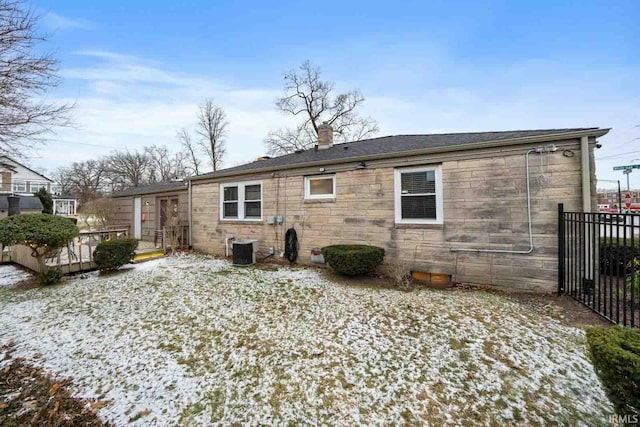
627 172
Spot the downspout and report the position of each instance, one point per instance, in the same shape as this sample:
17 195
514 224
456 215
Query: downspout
586 174
189 214
530 250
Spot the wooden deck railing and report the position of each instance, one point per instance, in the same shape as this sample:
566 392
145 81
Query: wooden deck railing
76 256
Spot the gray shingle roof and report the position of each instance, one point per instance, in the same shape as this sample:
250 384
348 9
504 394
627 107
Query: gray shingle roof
385 145
26 203
158 187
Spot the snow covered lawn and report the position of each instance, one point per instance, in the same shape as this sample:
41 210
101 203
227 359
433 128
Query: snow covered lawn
10 276
192 340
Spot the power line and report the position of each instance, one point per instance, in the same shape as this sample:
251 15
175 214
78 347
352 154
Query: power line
618 155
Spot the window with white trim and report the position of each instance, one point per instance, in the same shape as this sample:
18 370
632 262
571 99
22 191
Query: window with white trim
241 201
418 195
320 187
19 187
34 187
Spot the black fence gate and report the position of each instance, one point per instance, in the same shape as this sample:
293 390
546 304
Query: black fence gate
599 262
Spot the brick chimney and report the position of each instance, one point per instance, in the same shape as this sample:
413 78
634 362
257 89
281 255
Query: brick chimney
325 136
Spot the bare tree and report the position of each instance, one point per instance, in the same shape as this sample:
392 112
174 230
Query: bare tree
83 180
163 165
127 169
99 213
61 178
192 161
212 128
25 76
311 98
174 228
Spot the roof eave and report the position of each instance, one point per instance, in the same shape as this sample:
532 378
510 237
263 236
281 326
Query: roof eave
169 190
597 133
28 168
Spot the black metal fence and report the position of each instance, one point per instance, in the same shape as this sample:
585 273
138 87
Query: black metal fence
599 262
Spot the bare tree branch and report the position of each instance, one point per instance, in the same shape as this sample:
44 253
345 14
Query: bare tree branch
127 169
25 76
164 166
307 95
83 180
212 128
191 157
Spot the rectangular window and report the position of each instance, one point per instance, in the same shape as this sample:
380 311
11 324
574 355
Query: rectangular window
19 187
241 201
35 186
252 201
230 204
320 187
418 195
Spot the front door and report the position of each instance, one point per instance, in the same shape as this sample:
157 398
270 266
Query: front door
137 217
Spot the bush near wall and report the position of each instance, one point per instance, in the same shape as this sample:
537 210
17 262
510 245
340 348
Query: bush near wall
113 254
615 255
353 260
51 276
615 353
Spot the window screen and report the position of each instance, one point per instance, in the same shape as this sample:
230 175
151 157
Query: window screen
418 199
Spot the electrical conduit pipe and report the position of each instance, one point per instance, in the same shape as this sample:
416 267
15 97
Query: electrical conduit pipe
530 250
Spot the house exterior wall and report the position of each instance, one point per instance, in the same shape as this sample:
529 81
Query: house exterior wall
485 206
24 176
124 211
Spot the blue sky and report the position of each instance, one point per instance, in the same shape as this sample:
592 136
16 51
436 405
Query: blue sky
137 70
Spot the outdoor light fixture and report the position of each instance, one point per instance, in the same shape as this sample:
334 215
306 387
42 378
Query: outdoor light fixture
361 165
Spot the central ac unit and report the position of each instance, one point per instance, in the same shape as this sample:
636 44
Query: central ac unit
244 252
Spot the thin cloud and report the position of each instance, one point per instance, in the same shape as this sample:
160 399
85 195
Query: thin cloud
130 101
54 21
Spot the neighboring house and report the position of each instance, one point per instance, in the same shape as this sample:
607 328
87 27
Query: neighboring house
145 210
28 205
20 180
462 204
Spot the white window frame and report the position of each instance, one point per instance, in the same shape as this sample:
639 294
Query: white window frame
241 200
398 195
307 187
19 183
37 185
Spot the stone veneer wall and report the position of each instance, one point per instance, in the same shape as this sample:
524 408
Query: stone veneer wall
484 207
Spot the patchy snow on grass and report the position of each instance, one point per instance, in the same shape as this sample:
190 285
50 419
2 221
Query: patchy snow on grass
192 340
11 276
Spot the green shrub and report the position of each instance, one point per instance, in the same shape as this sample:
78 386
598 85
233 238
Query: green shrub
353 260
113 254
46 200
614 253
45 234
51 276
615 353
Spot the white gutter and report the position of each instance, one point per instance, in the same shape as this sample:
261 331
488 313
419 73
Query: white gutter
586 174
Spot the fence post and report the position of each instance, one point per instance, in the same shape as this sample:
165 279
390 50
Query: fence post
561 248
